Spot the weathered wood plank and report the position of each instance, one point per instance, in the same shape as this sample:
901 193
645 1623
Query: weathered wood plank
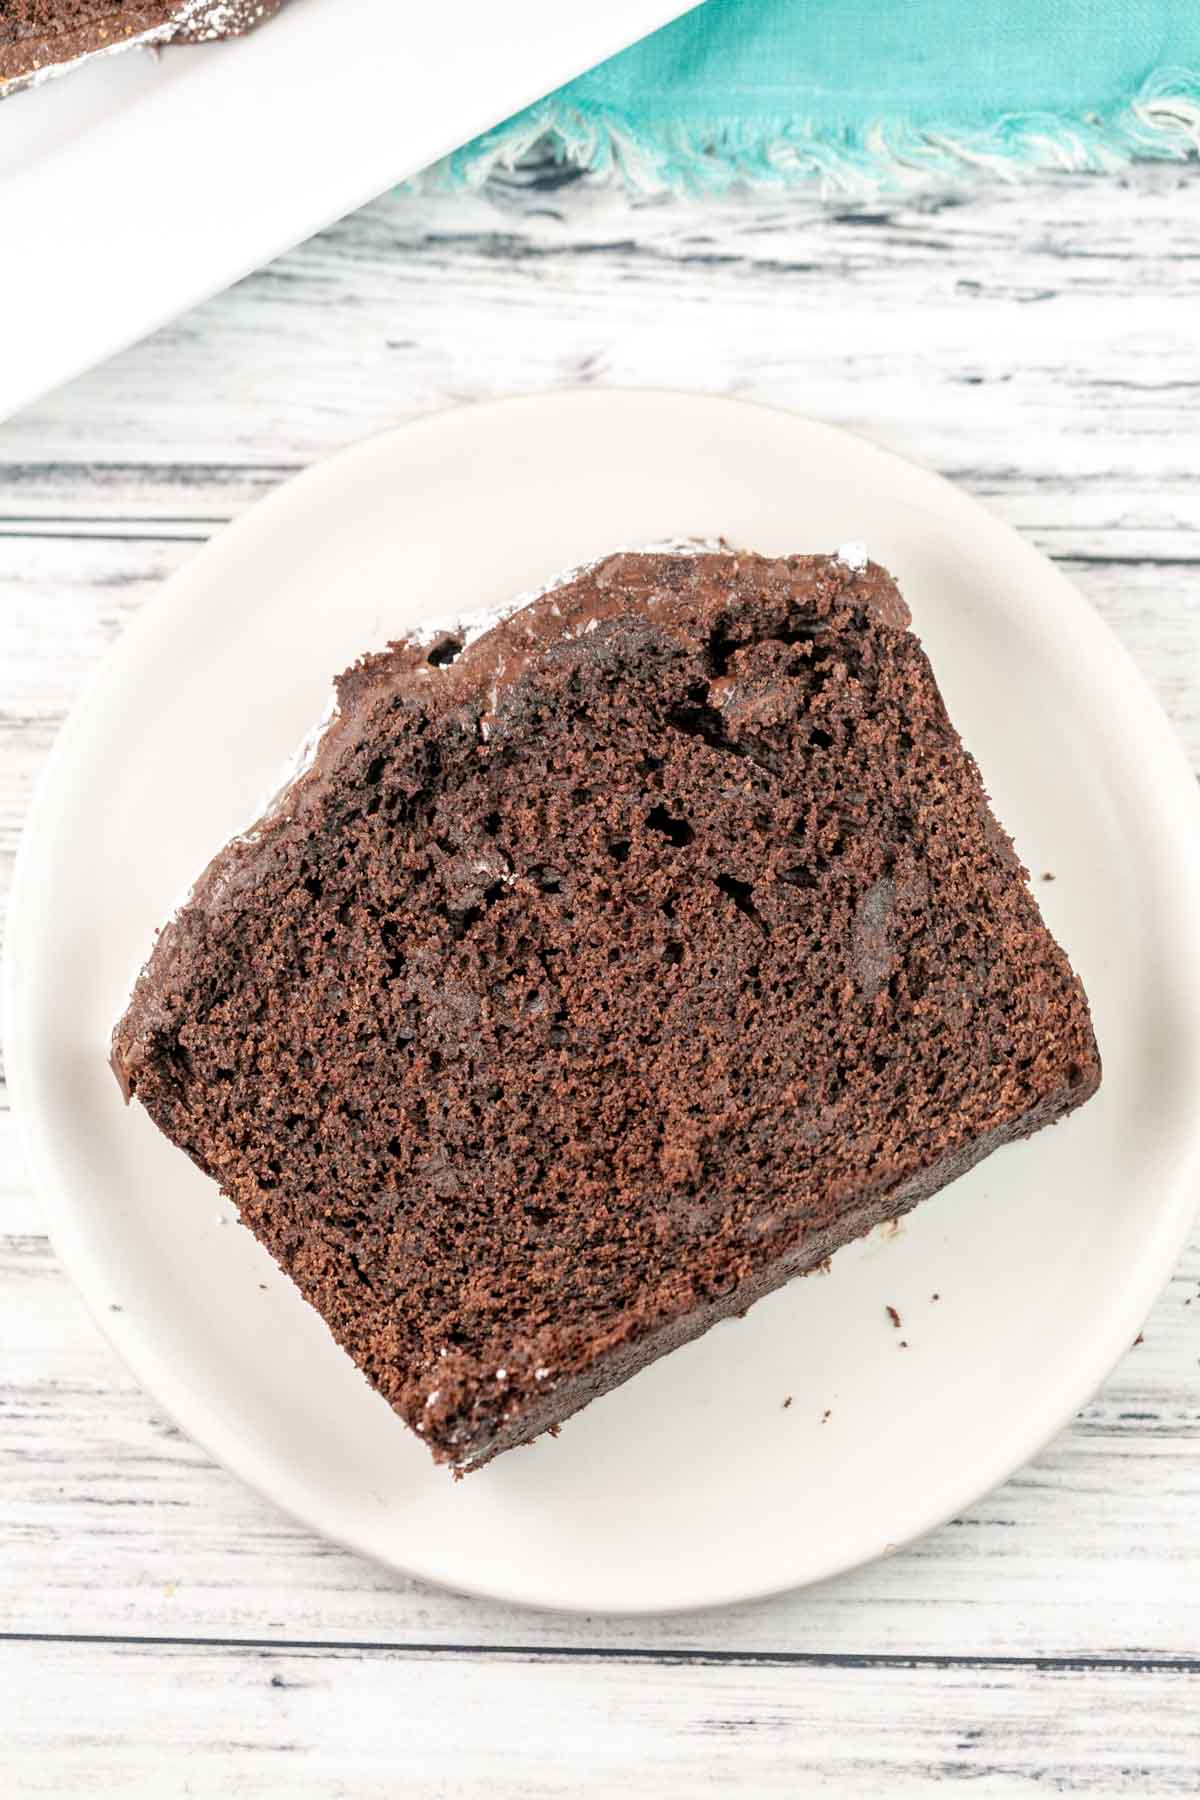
1110 516
144 1719
1041 331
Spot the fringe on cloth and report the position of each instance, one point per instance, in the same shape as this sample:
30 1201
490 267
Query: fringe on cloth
1160 123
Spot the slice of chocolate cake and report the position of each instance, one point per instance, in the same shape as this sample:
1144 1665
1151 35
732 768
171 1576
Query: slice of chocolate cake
599 974
39 38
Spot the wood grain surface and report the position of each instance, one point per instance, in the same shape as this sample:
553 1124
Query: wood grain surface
163 1630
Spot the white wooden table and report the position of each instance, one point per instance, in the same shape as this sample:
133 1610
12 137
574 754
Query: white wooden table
164 1631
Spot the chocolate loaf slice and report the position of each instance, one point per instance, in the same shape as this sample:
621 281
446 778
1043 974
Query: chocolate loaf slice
39 38
599 975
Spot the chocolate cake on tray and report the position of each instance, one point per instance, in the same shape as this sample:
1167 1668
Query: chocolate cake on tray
40 38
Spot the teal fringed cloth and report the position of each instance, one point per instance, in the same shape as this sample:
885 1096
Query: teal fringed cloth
870 96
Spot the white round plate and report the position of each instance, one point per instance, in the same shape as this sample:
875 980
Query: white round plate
696 1482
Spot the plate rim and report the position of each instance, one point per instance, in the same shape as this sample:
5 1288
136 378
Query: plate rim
1177 1203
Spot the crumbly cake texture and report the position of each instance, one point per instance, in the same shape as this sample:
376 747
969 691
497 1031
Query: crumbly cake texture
41 37
599 976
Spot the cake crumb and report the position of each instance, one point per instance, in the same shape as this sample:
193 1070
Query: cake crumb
935 1296
903 1344
697 624
1139 1339
1048 875
827 1415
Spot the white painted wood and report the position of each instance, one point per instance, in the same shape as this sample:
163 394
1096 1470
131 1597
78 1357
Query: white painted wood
1021 337
1035 344
144 1720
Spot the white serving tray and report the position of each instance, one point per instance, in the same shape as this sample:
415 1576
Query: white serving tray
139 184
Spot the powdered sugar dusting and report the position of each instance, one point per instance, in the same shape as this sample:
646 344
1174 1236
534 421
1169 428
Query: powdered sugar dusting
853 556
218 18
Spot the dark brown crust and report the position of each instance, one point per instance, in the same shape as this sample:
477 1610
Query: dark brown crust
39 36
825 982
